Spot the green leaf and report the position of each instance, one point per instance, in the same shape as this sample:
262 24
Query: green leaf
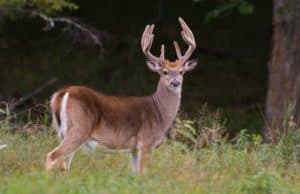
245 8
188 135
181 146
45 6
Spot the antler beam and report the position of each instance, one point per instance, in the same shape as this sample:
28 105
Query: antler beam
146 43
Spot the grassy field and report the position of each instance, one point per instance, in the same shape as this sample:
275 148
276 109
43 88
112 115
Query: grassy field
197 158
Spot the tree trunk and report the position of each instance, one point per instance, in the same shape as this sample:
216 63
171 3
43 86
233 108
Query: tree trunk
284 68
2 24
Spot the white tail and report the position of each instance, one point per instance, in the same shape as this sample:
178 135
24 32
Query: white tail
86 118
63 117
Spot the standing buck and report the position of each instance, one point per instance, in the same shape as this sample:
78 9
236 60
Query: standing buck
86 118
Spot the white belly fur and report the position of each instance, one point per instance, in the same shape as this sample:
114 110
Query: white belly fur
91 145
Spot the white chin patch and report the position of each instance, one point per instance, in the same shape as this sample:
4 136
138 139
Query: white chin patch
175 89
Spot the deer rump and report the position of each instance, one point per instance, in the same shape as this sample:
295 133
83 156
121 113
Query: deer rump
115 124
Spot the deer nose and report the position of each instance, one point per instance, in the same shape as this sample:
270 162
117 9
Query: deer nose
175 83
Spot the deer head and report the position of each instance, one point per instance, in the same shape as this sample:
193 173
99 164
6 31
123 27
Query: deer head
171 72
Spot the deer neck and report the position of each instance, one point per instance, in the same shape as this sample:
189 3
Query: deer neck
167 104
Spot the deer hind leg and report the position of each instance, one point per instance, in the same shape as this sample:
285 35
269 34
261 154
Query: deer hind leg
62 155
67 161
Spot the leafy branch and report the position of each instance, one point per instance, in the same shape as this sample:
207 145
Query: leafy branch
47 10
45 6
225 7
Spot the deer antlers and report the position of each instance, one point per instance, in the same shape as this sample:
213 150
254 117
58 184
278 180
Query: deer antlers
187 35
146 43
188 38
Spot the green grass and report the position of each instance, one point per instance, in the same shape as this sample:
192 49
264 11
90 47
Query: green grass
246 166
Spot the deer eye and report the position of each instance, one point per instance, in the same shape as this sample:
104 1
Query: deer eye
165 72
180 72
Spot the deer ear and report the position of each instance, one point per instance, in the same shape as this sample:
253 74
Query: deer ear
153 66
190 65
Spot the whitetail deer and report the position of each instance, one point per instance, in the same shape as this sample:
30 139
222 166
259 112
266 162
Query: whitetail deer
86 118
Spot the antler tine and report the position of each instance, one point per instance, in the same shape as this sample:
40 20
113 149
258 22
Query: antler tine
177 49
188 38
146 43
162 52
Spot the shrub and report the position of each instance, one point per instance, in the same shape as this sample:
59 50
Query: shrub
263 182
207 129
